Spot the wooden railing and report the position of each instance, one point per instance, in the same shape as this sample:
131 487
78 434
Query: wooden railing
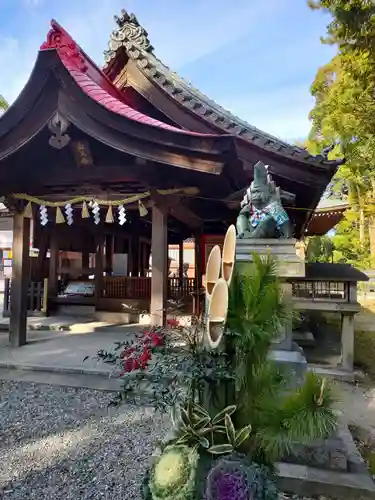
178 289
321 290
126 288
140 287
35 297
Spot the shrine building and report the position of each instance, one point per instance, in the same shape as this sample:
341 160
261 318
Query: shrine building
122 161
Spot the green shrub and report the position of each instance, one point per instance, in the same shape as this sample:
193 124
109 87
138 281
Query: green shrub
279 418
364 351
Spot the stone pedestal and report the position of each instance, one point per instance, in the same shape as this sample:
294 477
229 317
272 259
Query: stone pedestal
289 266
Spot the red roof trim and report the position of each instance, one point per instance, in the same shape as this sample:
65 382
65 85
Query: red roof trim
96 84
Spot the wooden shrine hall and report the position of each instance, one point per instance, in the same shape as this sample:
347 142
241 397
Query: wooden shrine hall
122 162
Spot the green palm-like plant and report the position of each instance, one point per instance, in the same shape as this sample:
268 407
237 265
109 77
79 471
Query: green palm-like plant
279 418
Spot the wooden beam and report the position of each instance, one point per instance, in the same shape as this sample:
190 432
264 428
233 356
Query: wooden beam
184 152
172 205
20 281
159 252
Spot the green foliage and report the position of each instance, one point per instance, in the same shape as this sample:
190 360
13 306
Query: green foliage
348 247
319 249
256 315
279 418
176 376
3 104
173 474
345 246
344 114
215 434
353 24
300 417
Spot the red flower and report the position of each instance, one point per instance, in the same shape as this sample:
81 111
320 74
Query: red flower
144 357
173 323
128 365
127 352
157 340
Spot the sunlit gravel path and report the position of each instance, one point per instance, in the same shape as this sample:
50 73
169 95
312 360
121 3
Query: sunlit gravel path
61 443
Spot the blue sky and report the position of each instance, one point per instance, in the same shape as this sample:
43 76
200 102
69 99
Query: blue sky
254 57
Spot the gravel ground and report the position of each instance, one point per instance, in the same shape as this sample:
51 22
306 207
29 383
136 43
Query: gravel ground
61 443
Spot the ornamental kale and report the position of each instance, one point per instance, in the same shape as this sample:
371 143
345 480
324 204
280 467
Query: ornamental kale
230 480
237 477
173 474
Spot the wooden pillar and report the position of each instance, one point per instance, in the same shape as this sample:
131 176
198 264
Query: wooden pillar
198 271
347 341
159 278
39 269
147 254
20 281
85 264
181 261
99 267
109 251
134 255
181 267
53 264
142 264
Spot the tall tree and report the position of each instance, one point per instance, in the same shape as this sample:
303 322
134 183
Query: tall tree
344 112
352 24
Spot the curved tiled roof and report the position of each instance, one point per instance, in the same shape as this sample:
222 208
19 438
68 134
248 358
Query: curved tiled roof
96 84
326 271
134 39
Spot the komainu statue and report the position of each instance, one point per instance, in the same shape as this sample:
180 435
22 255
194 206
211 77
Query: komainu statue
262 214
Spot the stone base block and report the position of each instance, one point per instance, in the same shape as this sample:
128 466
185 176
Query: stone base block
329 454
332 468
293 361
289 264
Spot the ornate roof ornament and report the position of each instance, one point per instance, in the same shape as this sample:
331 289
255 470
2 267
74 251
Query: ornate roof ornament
58 125
67 48
129 34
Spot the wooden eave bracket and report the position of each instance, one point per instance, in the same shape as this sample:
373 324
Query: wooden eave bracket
171 205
